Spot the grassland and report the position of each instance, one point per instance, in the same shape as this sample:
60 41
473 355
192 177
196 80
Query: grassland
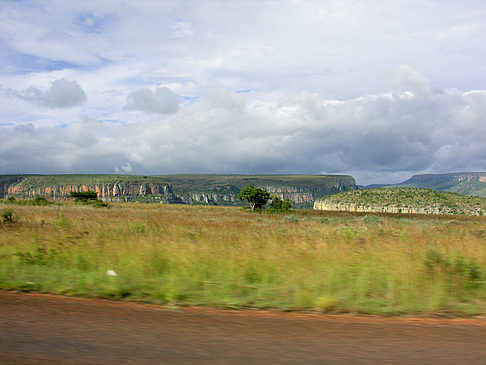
211 181
228 257
42 181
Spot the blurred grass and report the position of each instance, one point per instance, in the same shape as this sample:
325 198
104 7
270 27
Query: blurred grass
226 257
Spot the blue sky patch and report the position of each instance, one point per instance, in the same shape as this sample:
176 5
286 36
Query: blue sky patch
91 23
15 62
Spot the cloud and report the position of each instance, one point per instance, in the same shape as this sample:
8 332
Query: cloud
163 101
377 138
325 91
62 94
182 29
408 79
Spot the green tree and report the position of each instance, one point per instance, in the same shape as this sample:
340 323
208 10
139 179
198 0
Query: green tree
279 205
84 196
256 197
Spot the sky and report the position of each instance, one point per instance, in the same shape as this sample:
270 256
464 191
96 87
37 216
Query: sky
380 90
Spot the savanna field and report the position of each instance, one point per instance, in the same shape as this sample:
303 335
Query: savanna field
231 258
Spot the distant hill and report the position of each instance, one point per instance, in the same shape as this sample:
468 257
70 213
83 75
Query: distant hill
403 200
302 190
7 180
467 183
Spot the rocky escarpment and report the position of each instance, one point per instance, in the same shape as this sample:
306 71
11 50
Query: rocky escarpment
301 190
467 183
349 207
403 200
110 191
306 194
298 196
8 180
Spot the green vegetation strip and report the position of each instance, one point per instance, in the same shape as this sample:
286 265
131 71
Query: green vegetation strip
42 181
227 257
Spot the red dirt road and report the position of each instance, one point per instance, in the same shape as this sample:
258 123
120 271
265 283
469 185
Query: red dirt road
45 329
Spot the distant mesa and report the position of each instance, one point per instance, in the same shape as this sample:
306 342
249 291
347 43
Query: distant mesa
403 200
302 190
467 183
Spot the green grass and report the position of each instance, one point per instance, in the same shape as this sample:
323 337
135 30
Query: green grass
227 257
42 181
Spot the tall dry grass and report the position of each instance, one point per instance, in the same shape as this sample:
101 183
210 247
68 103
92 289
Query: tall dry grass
221 256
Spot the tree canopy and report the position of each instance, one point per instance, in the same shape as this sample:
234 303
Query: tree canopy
256 197
84 196
279 205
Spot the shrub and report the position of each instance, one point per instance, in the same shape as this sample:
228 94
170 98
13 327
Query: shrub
100 204
84 196
40 200
9 216
279 205
372 219
292 218
42 256
457 270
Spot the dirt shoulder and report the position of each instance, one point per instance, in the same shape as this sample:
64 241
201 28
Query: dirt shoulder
46 329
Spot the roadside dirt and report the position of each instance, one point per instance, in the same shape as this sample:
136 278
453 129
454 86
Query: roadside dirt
46 329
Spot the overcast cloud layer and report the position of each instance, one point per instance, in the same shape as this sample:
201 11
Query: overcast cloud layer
380 90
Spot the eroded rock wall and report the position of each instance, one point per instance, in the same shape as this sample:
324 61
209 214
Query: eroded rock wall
107 192
346 207
302 191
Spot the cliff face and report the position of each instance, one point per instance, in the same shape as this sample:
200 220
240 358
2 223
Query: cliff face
301 196
297 197
467 183
346 207
306 194
6 181
403 200
301 190
117 191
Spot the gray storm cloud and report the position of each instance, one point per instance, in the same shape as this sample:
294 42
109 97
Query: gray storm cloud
385 135
162 101
62 94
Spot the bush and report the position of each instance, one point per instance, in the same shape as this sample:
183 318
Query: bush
40 200
84 196
279 205
88 197
292 218
9 216
458 271
100 204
